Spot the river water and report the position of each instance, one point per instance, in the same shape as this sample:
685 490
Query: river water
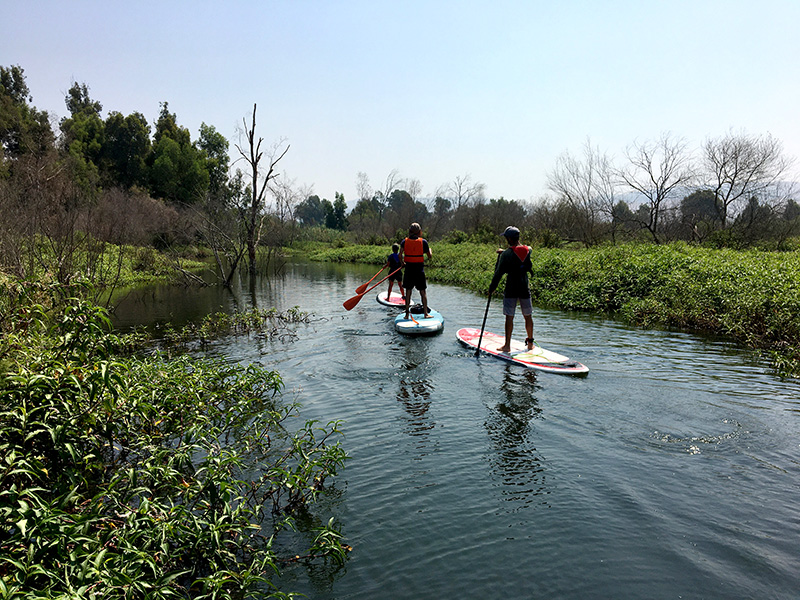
670 471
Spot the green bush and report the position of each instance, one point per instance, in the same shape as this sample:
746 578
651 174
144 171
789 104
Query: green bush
130 477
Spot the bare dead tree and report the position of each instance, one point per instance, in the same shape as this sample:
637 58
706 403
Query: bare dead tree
737 167
254 214
588 185
660 172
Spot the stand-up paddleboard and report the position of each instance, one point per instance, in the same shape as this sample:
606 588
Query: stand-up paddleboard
395 299
417 325
537 358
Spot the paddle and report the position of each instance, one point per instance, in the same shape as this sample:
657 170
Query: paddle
360 289
350 303
483 326
485 314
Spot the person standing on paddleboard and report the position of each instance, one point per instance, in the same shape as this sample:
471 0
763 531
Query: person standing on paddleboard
413 250
515 262
394 263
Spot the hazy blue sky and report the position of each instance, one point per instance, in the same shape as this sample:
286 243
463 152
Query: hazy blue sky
436 90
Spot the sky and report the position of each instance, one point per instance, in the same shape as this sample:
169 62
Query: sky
430 90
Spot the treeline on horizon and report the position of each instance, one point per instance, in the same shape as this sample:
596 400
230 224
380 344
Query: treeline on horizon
67 189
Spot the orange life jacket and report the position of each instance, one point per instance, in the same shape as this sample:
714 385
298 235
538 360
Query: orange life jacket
413 250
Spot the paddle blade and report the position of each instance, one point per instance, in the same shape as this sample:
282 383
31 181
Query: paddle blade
350 303
363 287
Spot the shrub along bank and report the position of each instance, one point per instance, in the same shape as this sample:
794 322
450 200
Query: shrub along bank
127 476
751 296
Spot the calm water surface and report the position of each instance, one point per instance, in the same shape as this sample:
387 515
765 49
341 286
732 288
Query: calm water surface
671 471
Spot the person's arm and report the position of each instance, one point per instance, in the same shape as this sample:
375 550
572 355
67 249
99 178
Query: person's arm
402 251
498 274
428 250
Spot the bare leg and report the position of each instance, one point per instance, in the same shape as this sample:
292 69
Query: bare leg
408 300
529 330
389 293
424 295
509 332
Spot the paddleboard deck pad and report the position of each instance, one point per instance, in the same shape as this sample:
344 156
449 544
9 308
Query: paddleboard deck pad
417 325
537 358
394 300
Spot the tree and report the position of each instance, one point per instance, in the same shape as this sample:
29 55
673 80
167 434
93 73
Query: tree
588 185
83 136
699 213
215 150
737 167
23 129
126 150
462 193
657 171
178 172
310 212
253 214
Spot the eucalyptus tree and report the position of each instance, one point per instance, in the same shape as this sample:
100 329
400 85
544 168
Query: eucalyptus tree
178 171
737 167
659 172
126 150
83 137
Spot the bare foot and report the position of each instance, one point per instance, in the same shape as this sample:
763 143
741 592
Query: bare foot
504 349
426 317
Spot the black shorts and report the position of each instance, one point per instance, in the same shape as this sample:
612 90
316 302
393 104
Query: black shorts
397 276
415 278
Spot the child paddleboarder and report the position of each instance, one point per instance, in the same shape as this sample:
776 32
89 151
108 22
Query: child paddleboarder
393 262
413 251
515 262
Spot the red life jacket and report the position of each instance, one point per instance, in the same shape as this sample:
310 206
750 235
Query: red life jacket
522 252
413 250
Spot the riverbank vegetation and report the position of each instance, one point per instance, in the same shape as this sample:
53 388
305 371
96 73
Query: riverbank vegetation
751 296
126 474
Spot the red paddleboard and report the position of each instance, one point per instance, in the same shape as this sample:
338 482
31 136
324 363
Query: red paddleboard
395 299
538 358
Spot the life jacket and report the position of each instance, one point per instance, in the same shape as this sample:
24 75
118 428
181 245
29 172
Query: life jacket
522 252
413 250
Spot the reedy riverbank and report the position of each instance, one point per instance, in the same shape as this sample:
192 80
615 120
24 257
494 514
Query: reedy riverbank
751 296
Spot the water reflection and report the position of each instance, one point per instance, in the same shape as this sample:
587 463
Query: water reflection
515 462
416 386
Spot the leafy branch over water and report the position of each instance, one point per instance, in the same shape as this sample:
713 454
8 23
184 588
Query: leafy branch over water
124 476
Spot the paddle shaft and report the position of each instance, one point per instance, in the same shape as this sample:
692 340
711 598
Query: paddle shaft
350 303
483 326
485 314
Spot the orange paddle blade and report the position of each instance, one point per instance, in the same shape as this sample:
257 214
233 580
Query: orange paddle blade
363 287
350 303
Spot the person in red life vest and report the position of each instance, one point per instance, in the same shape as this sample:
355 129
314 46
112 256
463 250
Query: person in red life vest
393 262
413 250
515 263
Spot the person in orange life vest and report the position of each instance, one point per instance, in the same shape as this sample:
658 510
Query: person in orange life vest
393 262
413 250
515 263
